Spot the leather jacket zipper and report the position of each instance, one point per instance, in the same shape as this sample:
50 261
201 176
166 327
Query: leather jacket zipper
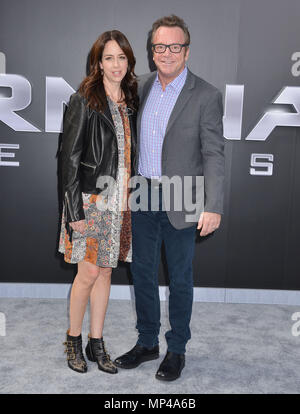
88 165
68 227
67 201
114 132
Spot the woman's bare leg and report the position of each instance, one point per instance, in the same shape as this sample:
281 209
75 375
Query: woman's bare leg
85 279
98 302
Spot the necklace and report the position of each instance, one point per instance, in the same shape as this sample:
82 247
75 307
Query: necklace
112 97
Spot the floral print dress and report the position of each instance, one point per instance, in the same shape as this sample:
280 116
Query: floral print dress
107 236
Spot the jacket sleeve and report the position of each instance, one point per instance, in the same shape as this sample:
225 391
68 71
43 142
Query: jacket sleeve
212 145
74 131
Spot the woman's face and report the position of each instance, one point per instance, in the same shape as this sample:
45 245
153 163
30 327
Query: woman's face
114 62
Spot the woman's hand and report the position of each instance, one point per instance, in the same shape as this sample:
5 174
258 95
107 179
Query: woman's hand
78 226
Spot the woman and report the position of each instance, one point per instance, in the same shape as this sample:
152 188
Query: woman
98 140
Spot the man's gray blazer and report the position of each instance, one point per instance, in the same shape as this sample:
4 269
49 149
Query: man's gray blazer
193 144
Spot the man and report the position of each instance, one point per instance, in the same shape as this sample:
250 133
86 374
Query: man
179 134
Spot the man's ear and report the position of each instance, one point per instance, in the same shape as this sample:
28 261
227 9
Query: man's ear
187 53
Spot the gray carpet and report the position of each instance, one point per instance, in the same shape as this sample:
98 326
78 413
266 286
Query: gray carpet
235 348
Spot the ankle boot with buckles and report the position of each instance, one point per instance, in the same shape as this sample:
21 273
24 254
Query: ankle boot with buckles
74 352
96 352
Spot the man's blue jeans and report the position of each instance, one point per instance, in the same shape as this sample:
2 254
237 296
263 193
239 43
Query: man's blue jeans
149 229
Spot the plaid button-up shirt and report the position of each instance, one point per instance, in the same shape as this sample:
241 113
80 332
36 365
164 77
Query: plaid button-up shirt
154 122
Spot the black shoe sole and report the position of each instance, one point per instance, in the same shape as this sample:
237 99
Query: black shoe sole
141 361
77 370
166 379
169 379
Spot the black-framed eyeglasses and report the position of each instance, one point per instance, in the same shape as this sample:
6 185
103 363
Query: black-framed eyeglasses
174 47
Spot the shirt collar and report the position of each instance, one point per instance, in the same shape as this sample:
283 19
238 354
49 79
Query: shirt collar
176 83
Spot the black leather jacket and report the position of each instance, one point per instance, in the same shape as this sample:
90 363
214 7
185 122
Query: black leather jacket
89 148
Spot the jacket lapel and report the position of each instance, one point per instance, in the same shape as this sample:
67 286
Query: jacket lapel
107 115
143 98
184 96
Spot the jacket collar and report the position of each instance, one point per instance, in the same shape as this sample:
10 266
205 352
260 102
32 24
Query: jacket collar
184 96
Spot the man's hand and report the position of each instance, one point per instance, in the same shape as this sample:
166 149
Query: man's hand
208 222
78 226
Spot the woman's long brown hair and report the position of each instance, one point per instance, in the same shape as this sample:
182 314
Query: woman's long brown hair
92 87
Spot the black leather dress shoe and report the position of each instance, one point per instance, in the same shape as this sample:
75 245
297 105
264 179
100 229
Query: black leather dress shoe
136 356
171 367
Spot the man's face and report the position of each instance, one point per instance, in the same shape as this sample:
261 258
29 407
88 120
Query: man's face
170 65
